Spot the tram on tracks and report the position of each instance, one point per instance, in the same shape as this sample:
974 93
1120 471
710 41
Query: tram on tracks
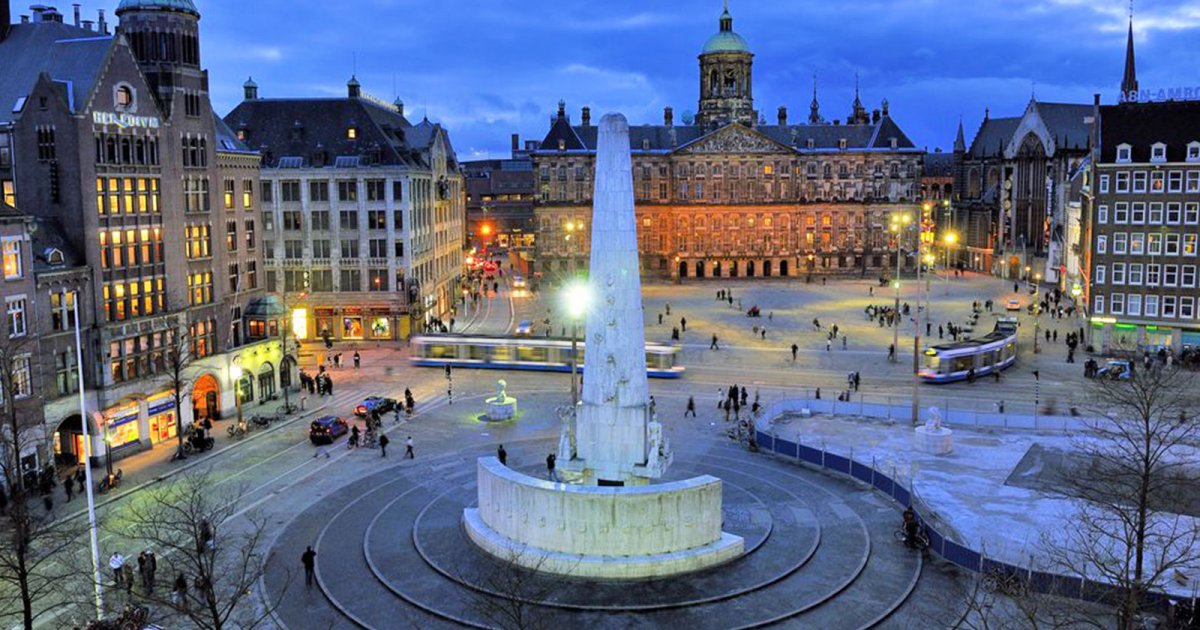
525 353
991 353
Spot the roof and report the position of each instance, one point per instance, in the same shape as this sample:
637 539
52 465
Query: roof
266 306
306 128
68 54
993 136
48 237
1140 125
227 140
662 138
939 165
184 6
1066 123
725 41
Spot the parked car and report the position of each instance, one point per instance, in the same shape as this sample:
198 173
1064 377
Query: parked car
327 429
1116 369
525 328
518 282
1012 304
377 404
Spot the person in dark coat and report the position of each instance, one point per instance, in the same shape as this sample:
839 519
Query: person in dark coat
502 455
309 560
383 442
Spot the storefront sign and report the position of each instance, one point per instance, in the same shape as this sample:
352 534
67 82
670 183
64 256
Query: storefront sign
1160 95
157 407
125 121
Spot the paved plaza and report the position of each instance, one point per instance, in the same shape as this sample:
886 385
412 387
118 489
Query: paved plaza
822 551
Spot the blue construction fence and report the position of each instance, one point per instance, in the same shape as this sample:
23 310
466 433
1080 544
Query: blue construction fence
956 553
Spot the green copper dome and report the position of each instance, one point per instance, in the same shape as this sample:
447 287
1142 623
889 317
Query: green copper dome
183 6
725 40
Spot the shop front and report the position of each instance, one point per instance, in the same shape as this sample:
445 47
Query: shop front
123 428
163 417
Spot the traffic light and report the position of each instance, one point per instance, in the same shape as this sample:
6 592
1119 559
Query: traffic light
447 371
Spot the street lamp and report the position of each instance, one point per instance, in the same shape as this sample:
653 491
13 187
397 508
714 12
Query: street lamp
950 239
898 224
578 296
1037 312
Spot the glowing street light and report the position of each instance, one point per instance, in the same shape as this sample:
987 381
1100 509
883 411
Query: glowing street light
950 239
235 371
578 297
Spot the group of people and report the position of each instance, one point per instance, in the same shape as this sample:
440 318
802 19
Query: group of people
733 400
886 315
322 383
147 567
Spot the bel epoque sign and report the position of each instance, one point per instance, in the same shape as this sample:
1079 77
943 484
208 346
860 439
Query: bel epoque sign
1161 94
124 121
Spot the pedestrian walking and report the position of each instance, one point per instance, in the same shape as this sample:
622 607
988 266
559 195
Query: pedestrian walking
80 478
551 473
691 407
179 595
891 352
828 344
383 442
857 379
127 578
668 308
795 349
728 407
713 345
745 396
764 333
408 448
116 562
69 488
207 540
151 570
683 324
653 405
844 342
502 455
357 360
308 559
396 411
142 570
660 318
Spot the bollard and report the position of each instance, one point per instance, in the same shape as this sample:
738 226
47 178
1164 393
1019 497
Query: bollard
303 403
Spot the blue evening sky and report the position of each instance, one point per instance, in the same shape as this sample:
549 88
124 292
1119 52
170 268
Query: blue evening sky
489 68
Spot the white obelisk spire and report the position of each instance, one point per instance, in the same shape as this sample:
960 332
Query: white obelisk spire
613 424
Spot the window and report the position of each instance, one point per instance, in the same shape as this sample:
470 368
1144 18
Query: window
124 97
1123 153
377 220
398 190
319 220
292 220
377 280
1172 245
1137 215
1139 181
62 311
1175 182
320 248
14 267
1168 305
1187 307
318 191
231 235
1150 308
1193 152
268 192
1134 304
15 307
1120 243
252 274
199 243
1158 152
1118 275
1123 182
1157 181
348 219
247 193
376 190
347 190
377 248
1193 181
399 247
1135 274
1154 244
290 191
1117 307
1121 213
1102 214
1104 184
398 220
22 377
293 249
250 237
1189 244
1137 244
235 278
349 249
1153 271
66 373
1170 275
1173 213
1100 274
200 288
351 133
203 338
1187 276
1156 213
1098 306
351 280
1191 213
229 194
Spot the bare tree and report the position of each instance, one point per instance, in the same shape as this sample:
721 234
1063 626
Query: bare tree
191 526
508 593
1133 474
37 554
176 360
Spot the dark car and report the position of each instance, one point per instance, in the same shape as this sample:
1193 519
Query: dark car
326 430
377 404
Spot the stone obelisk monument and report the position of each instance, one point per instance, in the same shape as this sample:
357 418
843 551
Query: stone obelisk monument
616 441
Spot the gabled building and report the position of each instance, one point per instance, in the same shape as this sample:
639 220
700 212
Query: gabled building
363 215
728 195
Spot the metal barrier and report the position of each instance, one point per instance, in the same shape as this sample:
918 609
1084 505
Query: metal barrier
903 413
1074 587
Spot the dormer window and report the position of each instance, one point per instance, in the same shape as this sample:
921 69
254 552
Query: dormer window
842 143
351 133
241 135
124 97
645 144
892 143
1193 152
55 256
810 143
562 144
1158 152
1124 152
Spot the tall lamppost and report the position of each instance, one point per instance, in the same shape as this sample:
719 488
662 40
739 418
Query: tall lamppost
950 239
1037 311
236 372
578 297
898 224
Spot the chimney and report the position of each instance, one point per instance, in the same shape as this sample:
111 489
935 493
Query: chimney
782 116
250 89
668 116
101 24
77 16
562 109
875 115
89 25
516 143
5 19
585 116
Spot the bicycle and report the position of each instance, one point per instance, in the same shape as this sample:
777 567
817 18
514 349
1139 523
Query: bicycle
1005 583
109 482
922 540
287 409
238 430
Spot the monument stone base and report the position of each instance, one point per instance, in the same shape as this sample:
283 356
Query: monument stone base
939 441
500 410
